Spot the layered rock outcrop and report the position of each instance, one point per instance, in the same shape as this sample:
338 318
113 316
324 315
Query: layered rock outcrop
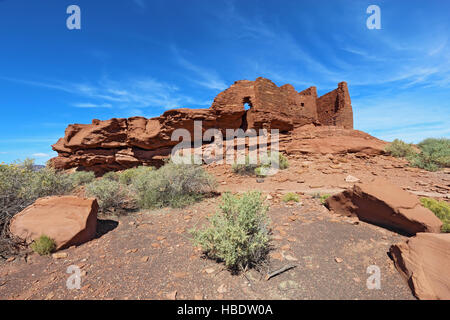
122 143
384 204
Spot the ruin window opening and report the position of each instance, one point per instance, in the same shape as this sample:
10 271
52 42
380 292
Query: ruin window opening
247 107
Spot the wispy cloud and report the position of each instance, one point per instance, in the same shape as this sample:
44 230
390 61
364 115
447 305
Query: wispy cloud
92 105
30 140
134 93
363 59
201 76
40 155
140 3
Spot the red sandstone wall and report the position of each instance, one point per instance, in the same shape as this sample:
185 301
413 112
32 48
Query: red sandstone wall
335 108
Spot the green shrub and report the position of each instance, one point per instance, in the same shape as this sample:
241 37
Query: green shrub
291 196
20 186
27 164
323 198
400 149
127 176
246 168
261 172
43 245
423 161
110 195
111 175
239 233
434 154
260 168
280 160
441 209
80 178
49 182
174 185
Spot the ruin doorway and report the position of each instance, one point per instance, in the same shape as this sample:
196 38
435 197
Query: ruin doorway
247 107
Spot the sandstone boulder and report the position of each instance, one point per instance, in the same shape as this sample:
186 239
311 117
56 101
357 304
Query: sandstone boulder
382 203
68 220
424 262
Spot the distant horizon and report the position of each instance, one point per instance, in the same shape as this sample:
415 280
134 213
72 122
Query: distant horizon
142 57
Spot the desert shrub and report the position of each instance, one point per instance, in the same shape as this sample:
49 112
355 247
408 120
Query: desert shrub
323 198
80 178
14 181
291 196
246 168
48 182
280 160
127 176
43 245
239 233
27 164
174 185
441 209
423 161
21 185
434 154
260 168
111 175
261 172
400 149
111 195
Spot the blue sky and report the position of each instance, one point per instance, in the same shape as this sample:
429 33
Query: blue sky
141 57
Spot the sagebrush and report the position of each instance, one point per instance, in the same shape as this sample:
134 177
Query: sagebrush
80 178
127 176
20 186
246 168
43 245
173 185
291 197
262 164
238 234
111 175
441 209
400 149
111 195
432 154
323 198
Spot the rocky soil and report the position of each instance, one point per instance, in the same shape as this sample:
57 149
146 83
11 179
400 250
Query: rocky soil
149 255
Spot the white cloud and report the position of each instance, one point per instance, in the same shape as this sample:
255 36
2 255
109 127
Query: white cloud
40 155
204 77
138 92
92 105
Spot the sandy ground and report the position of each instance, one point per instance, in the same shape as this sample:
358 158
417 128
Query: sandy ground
149 255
